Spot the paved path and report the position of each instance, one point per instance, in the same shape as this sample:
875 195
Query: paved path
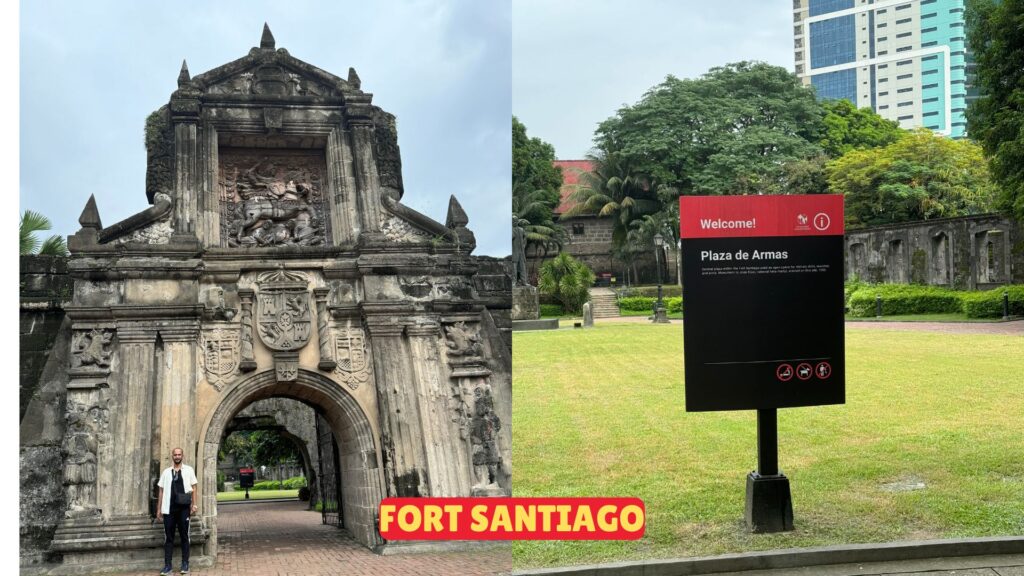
283 538
1015 327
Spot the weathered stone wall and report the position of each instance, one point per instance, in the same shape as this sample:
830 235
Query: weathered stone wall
967 253
45 343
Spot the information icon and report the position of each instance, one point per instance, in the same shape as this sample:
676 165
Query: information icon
822 221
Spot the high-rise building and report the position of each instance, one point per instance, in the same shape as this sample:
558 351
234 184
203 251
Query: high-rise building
905 59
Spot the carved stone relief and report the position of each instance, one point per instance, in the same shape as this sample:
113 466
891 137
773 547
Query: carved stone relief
272 198
220 354
283 315
483 438
158 232
462 339
397 230
353 366
90 350
86 428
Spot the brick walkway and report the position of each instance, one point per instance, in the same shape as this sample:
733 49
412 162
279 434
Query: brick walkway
283 538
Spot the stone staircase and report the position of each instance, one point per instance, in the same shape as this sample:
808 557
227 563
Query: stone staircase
603 304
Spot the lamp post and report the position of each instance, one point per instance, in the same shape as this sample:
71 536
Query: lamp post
660 314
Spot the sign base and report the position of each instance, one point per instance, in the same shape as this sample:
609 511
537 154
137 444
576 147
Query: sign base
769 505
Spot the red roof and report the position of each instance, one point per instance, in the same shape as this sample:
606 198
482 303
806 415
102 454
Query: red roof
571 170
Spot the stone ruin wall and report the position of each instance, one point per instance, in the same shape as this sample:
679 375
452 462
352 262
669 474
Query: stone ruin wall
966 253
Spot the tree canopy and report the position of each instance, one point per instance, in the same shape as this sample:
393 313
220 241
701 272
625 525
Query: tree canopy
920 176
259 447
995 33
567 280
850 128
32 222
730 131
536 184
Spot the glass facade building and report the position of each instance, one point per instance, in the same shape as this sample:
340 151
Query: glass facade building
907 60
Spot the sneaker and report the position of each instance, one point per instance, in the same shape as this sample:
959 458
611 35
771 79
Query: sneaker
167 571
184 567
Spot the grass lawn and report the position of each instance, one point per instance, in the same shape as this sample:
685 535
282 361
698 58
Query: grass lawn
647 313
256 495
601 413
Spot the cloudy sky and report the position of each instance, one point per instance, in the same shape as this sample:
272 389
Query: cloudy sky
92 71
575 62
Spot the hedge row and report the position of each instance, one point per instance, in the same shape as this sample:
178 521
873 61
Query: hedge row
669 290
646 304
551 311
903 299
293 483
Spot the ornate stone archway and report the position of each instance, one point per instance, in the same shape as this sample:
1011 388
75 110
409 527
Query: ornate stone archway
361 465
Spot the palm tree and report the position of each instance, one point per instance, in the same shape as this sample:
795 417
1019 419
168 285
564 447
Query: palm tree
533 213
613 189
566 279
32 222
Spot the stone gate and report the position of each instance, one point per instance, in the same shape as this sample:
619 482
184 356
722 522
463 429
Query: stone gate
275 260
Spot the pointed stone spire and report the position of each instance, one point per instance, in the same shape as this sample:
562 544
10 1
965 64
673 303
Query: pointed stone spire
183 76
267 41
90 217
353 78
456 215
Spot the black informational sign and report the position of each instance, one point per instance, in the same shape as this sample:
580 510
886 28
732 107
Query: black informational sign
246 477
763 301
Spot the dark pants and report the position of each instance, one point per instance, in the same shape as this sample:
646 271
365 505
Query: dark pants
178 518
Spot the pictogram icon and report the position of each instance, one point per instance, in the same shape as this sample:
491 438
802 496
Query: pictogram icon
823 370
784 372
821 221
803 371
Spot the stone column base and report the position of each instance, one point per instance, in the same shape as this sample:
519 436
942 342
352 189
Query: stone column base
525 303
94 545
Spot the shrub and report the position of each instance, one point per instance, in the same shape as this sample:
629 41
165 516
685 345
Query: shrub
637 303
295 482
568 280
989 304
551 311
898 299
220 481
674 305
667 291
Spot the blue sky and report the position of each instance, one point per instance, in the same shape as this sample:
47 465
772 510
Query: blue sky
92 71
575 62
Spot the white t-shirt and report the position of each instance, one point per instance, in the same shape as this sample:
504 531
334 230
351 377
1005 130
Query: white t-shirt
188 479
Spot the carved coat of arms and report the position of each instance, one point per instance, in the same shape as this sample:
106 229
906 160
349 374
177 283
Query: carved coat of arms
350 351
283 315
220 355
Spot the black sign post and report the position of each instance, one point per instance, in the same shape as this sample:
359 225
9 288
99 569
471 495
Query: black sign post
245 479
763 295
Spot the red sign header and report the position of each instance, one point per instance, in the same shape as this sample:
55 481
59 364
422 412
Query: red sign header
760 216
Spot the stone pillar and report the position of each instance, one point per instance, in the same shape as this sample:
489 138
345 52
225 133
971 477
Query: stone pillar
405 463
186 177
247 358
327 360
177 373
368 203
131 422
445 450
209 192
344 222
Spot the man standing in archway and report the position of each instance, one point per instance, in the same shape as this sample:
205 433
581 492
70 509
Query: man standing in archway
178 495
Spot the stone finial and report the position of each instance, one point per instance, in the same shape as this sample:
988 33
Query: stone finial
183 76
353 78
90 217
456 215
267 41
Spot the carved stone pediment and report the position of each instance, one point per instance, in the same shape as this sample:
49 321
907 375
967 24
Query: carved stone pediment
271 80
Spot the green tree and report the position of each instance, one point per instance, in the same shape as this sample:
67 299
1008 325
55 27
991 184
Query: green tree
995 33
614 190
567 280
847 127
32 222
536 186
259 447
918 177
730 131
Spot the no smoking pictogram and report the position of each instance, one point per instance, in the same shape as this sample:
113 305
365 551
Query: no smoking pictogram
784 372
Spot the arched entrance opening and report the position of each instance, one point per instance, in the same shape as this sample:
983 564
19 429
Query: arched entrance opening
358 459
